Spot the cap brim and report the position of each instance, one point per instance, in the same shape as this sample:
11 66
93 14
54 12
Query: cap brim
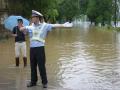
36 13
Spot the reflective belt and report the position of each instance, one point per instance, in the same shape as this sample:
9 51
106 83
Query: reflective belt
38 39
37 33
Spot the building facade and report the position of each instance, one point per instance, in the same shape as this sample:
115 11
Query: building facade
4 10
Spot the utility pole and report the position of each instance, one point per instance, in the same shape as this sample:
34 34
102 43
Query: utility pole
78 4
115 17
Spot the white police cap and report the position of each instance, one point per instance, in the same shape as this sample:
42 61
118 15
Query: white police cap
36 13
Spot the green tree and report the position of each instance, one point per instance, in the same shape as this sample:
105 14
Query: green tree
97 11
100 11
83 5
69 9
24 7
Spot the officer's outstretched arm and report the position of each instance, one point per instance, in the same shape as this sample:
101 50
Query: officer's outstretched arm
67 24
57 25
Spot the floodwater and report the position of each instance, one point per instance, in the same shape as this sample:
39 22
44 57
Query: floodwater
77 59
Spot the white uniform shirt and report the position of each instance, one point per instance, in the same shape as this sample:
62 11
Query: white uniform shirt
43 33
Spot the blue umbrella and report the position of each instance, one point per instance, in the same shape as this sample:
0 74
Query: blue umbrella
11 22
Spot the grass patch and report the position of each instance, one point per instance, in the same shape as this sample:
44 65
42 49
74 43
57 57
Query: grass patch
108 28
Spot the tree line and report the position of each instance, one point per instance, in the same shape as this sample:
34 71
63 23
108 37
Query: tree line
97 11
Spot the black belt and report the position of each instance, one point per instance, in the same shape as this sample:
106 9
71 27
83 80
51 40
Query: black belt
20 41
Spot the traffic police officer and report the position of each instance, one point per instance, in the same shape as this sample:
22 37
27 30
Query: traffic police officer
38 31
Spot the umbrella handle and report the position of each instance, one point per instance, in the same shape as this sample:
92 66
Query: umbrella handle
16 30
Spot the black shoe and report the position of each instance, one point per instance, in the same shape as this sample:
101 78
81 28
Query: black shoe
31 84
44 85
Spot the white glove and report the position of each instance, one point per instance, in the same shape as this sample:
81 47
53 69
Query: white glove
67 24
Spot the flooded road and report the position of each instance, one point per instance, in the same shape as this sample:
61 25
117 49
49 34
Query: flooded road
77 59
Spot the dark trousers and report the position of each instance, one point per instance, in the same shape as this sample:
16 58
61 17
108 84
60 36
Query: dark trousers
37 57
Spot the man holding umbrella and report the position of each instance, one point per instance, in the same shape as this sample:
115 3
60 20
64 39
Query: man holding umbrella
20 44
38 31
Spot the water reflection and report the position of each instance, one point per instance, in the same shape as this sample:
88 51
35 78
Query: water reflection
77 59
